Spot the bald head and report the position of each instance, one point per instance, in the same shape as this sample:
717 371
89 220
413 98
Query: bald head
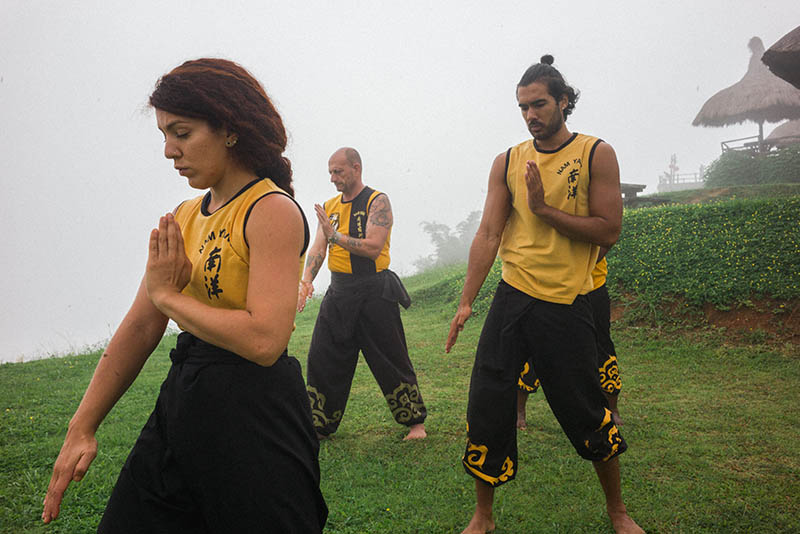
344 167
350 154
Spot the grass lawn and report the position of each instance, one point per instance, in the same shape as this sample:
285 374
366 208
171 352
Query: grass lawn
713 430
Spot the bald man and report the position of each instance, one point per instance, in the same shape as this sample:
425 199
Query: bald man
360 310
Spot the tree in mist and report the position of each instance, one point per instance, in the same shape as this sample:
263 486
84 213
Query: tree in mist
451 246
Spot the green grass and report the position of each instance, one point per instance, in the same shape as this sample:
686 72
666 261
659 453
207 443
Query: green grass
712 429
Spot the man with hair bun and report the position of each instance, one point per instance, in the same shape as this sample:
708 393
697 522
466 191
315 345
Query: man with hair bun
548 226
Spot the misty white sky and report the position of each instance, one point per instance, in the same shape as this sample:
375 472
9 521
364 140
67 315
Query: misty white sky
425 91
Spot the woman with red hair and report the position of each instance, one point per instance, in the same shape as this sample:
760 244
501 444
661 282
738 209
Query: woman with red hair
230 446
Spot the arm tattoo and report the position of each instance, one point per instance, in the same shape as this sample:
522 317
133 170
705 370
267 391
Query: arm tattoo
353 242
315 262
380 212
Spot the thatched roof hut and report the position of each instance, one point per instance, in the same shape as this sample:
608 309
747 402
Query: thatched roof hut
786 134
759 96
783 58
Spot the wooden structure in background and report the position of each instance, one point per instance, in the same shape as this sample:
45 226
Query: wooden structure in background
759 96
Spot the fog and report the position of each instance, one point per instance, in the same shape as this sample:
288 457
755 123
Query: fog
425 92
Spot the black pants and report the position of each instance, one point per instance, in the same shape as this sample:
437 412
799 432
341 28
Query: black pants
560 341
360 314
607 365
229 448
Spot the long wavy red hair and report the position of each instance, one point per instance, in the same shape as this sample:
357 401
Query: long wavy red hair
226 95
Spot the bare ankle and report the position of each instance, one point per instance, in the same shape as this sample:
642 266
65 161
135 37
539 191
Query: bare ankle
416 432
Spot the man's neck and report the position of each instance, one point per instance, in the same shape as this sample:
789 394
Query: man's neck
347 196
554 141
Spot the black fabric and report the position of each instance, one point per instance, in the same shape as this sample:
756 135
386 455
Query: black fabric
394 290
361 313
601 312
559 339
606 365
229 447
359 213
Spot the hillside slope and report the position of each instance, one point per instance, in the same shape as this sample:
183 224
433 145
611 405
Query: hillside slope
686 260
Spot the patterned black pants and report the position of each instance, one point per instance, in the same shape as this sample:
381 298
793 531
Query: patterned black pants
560 341
355 316
607 364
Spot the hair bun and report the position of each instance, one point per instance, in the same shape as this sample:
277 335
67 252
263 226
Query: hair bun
547 59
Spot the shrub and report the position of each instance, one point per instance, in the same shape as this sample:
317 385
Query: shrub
723 253
741 168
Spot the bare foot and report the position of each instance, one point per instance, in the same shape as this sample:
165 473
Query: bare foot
623 524
479 525
416 432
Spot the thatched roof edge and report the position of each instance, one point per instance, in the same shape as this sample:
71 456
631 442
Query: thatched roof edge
783 58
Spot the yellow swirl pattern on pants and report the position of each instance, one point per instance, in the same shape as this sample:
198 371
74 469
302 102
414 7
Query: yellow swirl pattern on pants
611 431
521 381
317 401
404 403
610 380
475 456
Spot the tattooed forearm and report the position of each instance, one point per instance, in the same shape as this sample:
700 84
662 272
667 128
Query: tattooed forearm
380 212
353 242
314 264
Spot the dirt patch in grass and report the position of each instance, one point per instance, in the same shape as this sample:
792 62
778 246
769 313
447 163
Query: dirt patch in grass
760 321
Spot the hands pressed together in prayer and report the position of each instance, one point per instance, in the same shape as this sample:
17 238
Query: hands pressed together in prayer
168 268
324 222
535 188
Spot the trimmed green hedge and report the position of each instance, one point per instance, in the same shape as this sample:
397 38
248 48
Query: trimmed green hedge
723 253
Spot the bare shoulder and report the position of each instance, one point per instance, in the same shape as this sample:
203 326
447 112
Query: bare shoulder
604 157
277 205
604 165
500 160
274 215
380 211
498 171
381 200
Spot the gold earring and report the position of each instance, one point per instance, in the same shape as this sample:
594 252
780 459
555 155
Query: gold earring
231 141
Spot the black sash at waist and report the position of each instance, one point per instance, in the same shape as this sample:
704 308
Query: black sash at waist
384 283
194 349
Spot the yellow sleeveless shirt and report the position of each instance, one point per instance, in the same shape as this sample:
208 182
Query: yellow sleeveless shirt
350 218
216 245
537 259
599 273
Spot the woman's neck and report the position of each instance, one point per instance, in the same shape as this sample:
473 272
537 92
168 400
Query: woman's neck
227 187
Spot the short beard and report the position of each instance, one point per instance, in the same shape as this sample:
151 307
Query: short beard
550 129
